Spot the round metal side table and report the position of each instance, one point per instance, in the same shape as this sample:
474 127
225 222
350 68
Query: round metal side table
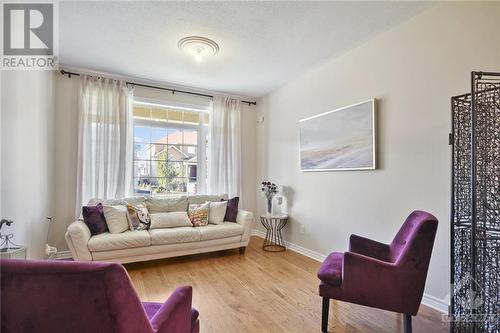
274 240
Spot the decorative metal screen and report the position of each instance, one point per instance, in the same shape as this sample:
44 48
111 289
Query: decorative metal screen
475 225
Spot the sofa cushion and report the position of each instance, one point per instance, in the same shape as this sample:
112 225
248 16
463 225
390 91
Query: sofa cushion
108 202
169 220
174 235
331 270
125 240
227 229
201 198
163 205
135 200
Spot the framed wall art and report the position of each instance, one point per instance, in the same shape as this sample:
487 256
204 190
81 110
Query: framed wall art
341 139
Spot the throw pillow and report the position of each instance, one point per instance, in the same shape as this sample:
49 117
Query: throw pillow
217 212
177 204
116 218
93 217
169 220
108 202
232 209
138 217
198 214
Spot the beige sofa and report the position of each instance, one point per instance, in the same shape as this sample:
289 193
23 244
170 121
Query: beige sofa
132 246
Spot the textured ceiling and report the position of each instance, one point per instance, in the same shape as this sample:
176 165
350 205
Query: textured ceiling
263 44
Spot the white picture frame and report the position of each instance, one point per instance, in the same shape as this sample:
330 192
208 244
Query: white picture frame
340 140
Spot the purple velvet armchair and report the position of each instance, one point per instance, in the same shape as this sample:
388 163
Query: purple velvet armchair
390 277
50 296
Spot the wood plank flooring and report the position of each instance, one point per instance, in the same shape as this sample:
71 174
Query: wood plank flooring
263 292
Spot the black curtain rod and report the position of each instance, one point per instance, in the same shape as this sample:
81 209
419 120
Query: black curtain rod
69 74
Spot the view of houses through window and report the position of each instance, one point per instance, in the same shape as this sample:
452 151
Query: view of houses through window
169 150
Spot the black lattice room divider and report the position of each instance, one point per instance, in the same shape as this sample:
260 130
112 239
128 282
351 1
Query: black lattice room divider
475 207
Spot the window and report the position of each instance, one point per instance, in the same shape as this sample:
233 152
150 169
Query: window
170 146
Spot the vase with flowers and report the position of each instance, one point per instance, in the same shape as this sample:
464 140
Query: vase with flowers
269 189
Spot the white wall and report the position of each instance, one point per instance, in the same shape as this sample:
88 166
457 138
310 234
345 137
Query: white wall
412 70
27 156
66 144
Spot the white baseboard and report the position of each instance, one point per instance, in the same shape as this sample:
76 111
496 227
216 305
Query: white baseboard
294 247
435 303
62 255
428 300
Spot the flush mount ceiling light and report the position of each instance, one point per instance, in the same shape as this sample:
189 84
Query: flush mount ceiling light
198 47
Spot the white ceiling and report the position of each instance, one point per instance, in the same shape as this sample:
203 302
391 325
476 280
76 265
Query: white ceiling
262 44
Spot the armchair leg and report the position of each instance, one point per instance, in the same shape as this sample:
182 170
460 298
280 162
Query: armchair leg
407 323
242 249
324 315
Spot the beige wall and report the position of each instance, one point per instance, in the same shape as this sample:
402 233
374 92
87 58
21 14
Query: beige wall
27 155
249 156
412 70
66 143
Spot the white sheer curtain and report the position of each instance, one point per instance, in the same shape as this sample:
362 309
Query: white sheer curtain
224 159
105 139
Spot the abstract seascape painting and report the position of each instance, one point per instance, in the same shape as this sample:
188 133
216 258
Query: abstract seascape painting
342 139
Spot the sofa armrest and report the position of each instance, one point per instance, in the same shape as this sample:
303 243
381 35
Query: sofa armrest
245 219
175 315
77 237
369 248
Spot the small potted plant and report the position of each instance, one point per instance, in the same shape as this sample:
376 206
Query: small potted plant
269 189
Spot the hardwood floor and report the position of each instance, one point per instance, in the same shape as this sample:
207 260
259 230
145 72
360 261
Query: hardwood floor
263 292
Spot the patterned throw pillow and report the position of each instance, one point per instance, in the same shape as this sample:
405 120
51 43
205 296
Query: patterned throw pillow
138 217
198 214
